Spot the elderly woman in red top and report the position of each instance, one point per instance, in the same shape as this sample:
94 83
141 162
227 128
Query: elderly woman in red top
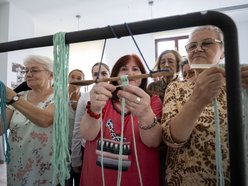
141 115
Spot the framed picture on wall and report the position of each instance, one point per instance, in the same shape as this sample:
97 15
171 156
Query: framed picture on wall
17 68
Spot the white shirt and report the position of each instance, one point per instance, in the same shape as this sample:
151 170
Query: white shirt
77 140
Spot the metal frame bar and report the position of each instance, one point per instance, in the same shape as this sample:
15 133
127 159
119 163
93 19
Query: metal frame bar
225 23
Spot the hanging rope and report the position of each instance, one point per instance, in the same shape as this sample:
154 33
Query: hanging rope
124 82
218 154
136 154
102 166
113 32
101 123
61 156
131 34
100 65
4 122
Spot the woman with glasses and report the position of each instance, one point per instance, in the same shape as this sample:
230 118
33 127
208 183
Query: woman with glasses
30 120
133 122
188 119
167 60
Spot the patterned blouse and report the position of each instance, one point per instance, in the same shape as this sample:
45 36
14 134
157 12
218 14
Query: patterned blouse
30 150
192 163
157 88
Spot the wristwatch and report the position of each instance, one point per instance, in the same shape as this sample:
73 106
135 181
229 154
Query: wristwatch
14 99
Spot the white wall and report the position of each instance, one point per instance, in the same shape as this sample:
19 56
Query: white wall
83 57
119 12
115 48
243 41
18 19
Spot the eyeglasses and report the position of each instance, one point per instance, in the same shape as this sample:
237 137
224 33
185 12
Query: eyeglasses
32 71
168 62
204 44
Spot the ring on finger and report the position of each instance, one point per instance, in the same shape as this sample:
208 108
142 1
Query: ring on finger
137 100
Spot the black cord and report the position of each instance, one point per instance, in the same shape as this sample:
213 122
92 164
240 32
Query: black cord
100 65
131 34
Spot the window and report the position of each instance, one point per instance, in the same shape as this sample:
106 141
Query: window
171 43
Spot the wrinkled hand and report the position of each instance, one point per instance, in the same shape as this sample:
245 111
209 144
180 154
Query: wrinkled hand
244 76
208 85
99 95
137 100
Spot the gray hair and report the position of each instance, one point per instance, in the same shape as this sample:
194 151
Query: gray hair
46 62
212 28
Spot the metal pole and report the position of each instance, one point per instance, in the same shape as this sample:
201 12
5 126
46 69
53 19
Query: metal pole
226 24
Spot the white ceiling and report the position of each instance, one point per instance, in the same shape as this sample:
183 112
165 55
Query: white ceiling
60 15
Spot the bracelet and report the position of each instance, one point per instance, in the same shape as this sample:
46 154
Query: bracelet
146 127
10 107
92 114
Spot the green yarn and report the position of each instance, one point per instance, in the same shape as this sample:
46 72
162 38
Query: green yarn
124 82
135 152
102 166
218 154
6 148
121 142
61 156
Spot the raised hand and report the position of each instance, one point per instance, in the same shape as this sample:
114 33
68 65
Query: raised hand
99 95
137 100
208 85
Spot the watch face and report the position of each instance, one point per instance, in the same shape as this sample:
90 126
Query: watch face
16 98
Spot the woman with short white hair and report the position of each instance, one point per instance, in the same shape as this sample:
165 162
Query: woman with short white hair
30 118
188 119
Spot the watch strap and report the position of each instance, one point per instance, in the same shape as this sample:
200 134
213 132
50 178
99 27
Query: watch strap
13 100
